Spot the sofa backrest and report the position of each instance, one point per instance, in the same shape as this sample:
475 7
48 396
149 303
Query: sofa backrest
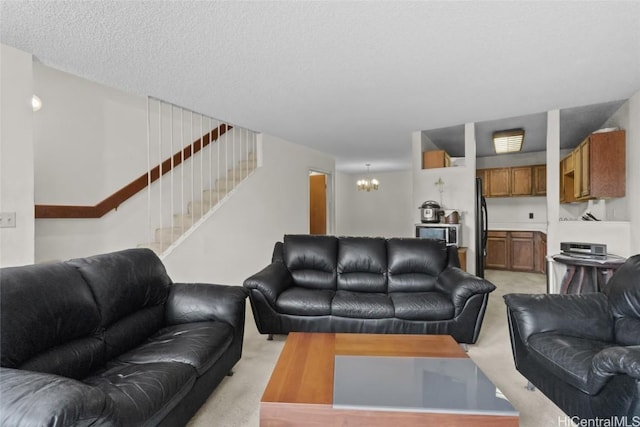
49 321
414 264
362 264
130 288
623 292
311 260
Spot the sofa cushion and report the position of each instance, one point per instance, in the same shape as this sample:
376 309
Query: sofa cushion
422 306
124 282
40 399
74 359
361 305
311 260
132 330
362 264
305 302
198 344
48 308
569 358
414 264
145 393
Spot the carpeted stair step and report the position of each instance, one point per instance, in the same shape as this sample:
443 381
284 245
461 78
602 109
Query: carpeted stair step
168 234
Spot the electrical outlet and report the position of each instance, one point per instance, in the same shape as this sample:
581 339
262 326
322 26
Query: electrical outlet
530 215
7 219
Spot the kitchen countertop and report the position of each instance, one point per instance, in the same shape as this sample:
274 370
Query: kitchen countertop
518 226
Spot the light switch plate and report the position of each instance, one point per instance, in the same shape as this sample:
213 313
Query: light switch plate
7 219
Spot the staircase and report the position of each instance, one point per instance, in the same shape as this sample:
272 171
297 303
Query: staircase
199 209
214 158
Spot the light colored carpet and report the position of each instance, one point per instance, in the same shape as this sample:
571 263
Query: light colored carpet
235 402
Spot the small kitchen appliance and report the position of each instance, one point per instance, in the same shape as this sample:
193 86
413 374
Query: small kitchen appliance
450 233
430 212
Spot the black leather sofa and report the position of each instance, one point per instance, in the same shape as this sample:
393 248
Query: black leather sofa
367 285
583 350
109 340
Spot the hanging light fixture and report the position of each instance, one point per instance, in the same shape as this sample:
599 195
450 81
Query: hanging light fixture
368 183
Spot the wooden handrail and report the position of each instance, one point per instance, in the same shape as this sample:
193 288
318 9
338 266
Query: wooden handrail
138 184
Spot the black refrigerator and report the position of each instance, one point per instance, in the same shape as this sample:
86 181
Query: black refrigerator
481 229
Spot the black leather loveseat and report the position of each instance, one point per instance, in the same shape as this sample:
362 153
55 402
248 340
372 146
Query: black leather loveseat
109 340
583 351
367 285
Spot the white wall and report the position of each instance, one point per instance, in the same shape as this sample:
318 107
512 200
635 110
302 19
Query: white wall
386 212
238 239
92 140
16 156
89 140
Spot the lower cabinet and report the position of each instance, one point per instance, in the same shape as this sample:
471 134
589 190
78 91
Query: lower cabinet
497 250
516 250
521 251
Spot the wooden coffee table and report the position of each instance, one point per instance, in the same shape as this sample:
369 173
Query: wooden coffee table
301 388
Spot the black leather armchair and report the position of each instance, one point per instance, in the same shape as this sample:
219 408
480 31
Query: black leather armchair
367 285
583 351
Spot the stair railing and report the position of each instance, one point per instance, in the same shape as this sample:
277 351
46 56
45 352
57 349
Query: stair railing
195 186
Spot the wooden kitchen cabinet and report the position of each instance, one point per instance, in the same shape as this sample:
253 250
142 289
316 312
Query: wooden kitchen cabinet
514 181
516 251
499 182
497 250
567 180
596 168
521 181
484 176
521 251
540 252
435 159
539 180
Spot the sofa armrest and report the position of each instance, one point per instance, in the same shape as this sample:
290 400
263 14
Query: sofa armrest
579 315
202 302
33 398
460 286
271 281
614 361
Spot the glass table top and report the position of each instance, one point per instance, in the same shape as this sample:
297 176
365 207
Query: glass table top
416 384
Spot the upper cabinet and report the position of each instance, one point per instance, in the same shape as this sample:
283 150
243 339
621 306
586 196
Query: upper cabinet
514 181
539 180
595 169
443 147
435 159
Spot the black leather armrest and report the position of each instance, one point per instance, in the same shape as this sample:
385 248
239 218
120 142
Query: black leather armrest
202 302
37 399
460 286
614 361
270 281
583 315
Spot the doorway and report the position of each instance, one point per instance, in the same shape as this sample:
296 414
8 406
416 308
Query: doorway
318 206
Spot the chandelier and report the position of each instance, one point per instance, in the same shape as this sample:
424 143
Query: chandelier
368 183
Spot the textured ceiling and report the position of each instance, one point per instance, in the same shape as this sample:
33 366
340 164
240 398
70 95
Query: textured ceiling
352 79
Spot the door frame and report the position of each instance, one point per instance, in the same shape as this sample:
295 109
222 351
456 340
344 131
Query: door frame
330 192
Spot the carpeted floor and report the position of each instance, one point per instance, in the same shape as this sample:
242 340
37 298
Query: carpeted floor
235 403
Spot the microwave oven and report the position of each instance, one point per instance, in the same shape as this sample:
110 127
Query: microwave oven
450 233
